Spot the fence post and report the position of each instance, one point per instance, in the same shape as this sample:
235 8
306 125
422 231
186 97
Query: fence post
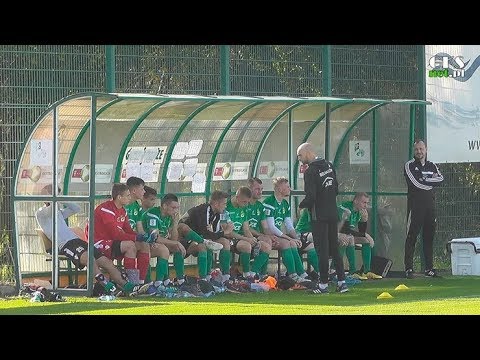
110 68
224 69
326 70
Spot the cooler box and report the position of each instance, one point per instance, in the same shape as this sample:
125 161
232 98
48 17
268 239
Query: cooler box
465 256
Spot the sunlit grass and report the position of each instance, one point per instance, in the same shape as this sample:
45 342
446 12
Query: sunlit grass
451 295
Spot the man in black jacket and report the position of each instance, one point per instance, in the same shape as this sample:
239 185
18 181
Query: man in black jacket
210 221
321 189
421 176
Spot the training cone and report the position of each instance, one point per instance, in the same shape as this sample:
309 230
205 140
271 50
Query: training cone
401 287
384 295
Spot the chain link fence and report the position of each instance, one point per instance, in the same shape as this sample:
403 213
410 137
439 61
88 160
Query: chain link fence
34 76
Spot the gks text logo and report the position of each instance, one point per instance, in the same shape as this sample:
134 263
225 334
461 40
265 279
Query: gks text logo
445 65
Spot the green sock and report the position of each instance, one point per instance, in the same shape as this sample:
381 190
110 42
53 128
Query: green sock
312 259
352 266
179 265
128 287
298 261
341 251
202 264
161 270
209 261
109 286
148 277
263 269
225 258
260 262
245 261
366 257
193 236
288 260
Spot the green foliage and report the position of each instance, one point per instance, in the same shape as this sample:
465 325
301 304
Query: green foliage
7 272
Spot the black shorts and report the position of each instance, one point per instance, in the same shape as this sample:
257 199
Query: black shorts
74 249
116 250
305 241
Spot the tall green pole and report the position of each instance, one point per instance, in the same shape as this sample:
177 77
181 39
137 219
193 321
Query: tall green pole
327 131
374 176
110 68
326 70
422 91
224 70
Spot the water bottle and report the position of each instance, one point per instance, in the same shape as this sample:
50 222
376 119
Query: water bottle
107 298
224 217
256 287
37 296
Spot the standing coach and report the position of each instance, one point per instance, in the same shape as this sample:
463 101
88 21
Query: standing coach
421 176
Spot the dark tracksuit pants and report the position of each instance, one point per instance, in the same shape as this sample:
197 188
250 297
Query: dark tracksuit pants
325 239
420 217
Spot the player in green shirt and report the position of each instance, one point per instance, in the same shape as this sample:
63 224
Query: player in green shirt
164 218
136 187
277 211
242 240
304 233
173 238
353 217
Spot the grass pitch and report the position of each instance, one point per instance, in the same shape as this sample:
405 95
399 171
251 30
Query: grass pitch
450 295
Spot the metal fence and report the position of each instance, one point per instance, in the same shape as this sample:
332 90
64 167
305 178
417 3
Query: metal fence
34 76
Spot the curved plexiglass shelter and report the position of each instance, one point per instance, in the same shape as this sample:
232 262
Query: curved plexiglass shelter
193 145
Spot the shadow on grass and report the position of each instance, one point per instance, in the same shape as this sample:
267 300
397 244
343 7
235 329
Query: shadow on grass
79 306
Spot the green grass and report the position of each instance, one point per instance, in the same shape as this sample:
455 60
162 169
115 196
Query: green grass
450 295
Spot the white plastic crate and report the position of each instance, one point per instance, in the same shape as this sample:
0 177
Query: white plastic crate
465 256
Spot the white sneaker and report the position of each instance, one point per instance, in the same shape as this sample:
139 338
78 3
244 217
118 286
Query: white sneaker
140 289
295 277
304 277
212 245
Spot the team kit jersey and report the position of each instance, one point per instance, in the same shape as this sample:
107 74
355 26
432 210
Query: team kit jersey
134 212
278 210
111 223
255 215
152 219
354 218
303 224
237 215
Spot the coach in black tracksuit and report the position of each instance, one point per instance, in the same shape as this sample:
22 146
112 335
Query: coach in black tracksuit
421 176
321 189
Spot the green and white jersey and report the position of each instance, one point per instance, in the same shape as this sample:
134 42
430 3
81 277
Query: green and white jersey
134 212
237 215
255 215
354 218
278 210
152 219
304 222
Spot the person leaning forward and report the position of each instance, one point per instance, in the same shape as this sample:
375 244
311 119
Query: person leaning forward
321 189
